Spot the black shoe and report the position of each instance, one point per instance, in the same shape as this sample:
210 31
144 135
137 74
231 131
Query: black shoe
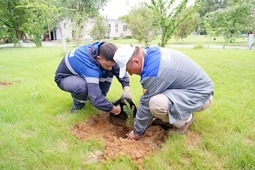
76 107
73 109
165 125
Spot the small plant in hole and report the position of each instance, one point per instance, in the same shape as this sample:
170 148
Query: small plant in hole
130 113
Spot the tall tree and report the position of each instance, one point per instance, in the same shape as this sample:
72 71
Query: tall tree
37 21
42 13
141 22
231 22
166 12
208 6
13 19
3 32
31 15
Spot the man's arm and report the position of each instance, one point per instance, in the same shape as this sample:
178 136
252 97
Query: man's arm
153 86
97 98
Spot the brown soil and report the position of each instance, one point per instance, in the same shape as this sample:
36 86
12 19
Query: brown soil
115 140
5 83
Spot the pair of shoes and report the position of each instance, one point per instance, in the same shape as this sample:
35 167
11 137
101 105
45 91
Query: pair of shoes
165 125
184 128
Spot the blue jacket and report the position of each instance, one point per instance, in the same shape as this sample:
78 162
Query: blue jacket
82 61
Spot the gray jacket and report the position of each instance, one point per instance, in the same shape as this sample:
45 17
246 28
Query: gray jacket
173 74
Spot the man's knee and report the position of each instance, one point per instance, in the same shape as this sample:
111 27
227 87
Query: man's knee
158 106
80 90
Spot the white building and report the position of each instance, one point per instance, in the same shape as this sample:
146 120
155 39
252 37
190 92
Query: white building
116 28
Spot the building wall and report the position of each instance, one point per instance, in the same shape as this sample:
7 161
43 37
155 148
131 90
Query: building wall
254 15
116 28
66 26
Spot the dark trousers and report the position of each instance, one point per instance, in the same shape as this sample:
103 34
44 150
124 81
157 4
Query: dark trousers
77 87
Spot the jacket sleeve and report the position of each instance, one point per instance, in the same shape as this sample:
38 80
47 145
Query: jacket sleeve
96 96
153 86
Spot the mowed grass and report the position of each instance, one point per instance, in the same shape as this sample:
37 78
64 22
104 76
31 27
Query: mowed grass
35 121
197 40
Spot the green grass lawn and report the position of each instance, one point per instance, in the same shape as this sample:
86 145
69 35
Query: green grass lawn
205 40
35 120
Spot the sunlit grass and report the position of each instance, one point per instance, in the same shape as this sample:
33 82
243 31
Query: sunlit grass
197 40
35 120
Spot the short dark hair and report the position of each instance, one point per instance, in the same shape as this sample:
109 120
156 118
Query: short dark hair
107 51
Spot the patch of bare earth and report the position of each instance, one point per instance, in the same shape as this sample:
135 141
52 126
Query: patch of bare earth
5 83
249 141
193 139
115 141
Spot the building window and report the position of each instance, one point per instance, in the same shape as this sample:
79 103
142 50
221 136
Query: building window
116 27
124 27
109 28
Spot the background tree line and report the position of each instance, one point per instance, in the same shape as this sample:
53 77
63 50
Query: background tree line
20 18
173 18
147 21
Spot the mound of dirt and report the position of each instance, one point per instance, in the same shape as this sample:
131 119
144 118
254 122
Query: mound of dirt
115 140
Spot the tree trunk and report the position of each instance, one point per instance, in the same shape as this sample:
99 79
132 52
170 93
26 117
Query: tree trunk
63 37
49 33
163 38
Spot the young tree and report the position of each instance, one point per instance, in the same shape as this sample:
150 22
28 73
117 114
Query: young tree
129 110
99 29
166 12
141 22
187 26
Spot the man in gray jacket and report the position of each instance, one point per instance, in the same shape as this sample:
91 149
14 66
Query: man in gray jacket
175 86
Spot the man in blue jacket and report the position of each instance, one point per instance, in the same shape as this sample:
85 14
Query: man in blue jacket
87 72
175 87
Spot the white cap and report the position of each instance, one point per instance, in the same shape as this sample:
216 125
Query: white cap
122 56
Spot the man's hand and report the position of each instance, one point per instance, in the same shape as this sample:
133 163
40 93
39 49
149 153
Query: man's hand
126 93
116 109
133 136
